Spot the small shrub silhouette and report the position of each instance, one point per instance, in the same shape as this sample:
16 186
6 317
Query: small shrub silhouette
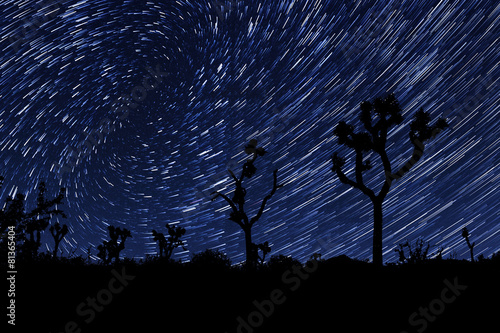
439 254
211 259
281 262
416 255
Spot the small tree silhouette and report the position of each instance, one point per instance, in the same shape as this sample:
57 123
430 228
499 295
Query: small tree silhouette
162 242
264 248
386 113
167 245
58 234
111 249
237 203
89 254
465 234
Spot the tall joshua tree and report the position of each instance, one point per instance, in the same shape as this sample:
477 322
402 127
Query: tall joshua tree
237 202
377 118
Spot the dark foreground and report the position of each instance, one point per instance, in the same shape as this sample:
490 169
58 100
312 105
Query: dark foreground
337 295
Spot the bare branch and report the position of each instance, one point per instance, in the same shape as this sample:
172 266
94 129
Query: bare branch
418 151
388 171
230 202
225 197
343 178
232 175
269 196
359 168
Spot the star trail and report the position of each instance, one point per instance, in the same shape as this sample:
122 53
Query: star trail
138 108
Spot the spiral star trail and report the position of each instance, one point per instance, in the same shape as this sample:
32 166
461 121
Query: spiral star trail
221 73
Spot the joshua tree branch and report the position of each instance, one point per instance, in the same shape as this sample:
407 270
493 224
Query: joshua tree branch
232 175
343 178
230 202
359 167
388 172
225 197
254 157
269 196
420 132
418 151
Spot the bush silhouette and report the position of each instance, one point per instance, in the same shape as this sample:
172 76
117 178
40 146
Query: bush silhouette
281 262
211 259
416 255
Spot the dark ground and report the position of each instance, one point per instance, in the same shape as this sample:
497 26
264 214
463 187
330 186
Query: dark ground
338 295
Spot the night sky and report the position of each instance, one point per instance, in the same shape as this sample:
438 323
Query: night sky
221 73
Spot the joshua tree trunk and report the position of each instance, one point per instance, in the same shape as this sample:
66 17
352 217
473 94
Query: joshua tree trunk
56 247
465 234
250 258
377 232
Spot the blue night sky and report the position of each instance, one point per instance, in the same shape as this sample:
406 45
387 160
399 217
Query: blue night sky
221 73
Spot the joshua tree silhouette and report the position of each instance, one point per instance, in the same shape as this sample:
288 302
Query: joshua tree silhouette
38 219
237 203
58 234
264 248
167 245
111 249
465 234
385 112
29 226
